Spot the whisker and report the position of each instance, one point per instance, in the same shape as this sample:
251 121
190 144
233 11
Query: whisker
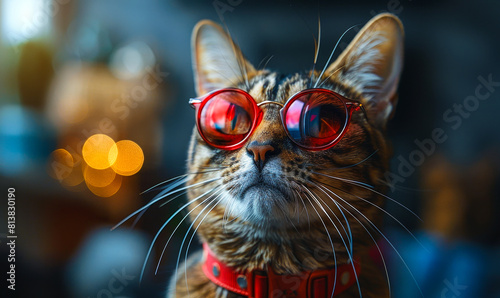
386 239
179 224
305 208
349 235
165 224
265 64
297 207
167 189
239 59
329 237
227 212
225 76
404 188
340 234
193 234
346 180
370 188
229 221
170 187
317 199
331 55
330 75
369 234
226 215
209 169
136 220
358 163
161 198
183 177
379 208
171 199
164 182
317 45
284 211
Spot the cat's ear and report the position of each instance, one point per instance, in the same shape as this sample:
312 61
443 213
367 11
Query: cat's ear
372 64
217 60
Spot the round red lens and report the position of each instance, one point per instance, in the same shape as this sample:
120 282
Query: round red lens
315 119
226 118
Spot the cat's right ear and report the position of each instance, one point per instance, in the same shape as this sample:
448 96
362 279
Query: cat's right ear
217 60
372 64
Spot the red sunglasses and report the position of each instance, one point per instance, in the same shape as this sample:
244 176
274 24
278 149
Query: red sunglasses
314 119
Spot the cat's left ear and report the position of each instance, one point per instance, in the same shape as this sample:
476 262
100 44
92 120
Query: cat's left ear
217 60
372 64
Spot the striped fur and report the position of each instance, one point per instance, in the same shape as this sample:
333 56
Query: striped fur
299 210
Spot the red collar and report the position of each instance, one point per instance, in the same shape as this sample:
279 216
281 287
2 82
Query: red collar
263 284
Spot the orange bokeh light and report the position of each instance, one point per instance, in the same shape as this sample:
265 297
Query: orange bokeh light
98 151
98 178
75 177
129 159
61 164
103 164
109 190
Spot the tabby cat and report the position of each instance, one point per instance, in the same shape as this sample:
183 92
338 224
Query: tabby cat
285 171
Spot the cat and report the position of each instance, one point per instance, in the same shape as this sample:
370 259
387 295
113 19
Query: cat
270 206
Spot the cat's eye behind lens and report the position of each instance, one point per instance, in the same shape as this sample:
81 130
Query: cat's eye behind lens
314 119
226 118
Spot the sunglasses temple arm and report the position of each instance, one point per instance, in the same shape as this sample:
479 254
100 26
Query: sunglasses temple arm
194 102
355 106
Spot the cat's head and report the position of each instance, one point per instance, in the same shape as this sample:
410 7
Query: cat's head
270 181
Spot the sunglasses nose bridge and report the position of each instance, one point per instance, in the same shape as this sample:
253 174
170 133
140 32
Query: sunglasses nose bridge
269 102
268 128
261 112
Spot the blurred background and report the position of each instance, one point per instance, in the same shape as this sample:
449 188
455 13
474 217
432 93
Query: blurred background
79 78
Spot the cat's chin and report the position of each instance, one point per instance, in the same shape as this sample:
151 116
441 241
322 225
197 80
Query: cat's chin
265 205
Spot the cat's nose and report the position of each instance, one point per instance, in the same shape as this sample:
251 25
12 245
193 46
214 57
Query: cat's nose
261 153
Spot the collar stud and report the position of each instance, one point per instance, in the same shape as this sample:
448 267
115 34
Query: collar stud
242 282
216 270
